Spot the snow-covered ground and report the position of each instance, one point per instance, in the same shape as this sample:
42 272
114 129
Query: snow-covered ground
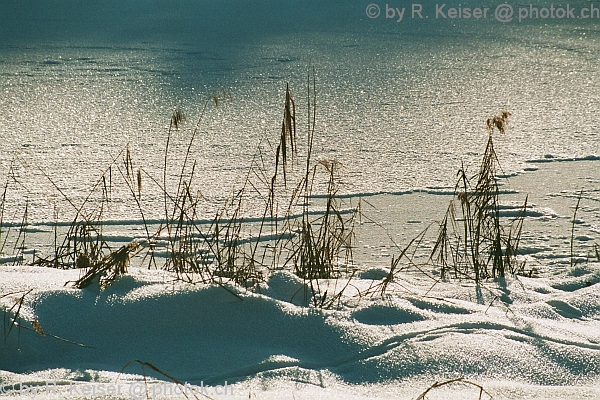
517 338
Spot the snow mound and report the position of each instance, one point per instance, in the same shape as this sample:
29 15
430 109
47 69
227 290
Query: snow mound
211 334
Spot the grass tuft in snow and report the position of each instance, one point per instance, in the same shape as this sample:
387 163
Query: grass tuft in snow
472 240
108 269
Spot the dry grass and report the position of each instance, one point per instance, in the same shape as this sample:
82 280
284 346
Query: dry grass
573 221
456 381
109 268
14 318
185 389
13 314
474 242
315 243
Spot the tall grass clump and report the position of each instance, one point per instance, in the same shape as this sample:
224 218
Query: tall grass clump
291 234
303 227
12 231
223 252
84 245
472 239
323 240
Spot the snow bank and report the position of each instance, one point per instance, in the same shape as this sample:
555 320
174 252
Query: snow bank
544 335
